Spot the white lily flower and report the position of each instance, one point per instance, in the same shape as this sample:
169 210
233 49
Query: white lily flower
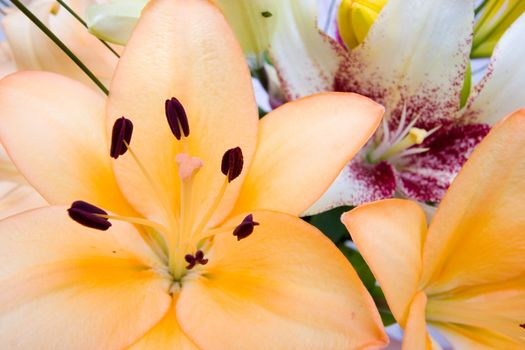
413 60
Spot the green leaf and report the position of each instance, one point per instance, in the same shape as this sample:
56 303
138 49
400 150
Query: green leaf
330 224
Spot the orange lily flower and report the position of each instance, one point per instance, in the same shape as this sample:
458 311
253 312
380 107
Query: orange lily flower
202 246
465 275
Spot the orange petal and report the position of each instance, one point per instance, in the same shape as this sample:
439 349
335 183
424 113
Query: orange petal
182 49
166 334
53 128
69 287
416 335
303 146
286 286
389 234
478 233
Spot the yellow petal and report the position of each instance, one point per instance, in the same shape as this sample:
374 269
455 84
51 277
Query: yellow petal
182 49
478 234
288 282
54 130
32 50
166 334
389 234
69 287
416 335
302 148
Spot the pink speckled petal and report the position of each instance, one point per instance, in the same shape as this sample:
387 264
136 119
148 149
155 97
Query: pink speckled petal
305 58
415 55
358 183
427 176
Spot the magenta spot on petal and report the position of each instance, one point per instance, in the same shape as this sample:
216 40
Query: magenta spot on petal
427 176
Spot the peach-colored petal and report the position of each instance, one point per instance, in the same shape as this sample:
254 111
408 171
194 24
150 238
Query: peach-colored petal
166 334
303 146
416 335
477 235
53 128
32 50
389 234
64 286
462 337
287 282
198 61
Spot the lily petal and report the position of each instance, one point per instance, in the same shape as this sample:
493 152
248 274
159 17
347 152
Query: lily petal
54 130
398 227
193 45
306 59
400 63
269 281
166 334
416 335
357 183
477 235
426 176
33 50
462 337
67 286
501 91
292 170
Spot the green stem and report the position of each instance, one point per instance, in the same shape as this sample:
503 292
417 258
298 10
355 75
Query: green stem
78 18
59 43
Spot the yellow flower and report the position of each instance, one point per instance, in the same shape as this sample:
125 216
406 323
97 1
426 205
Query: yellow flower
202 248
355 17
465 275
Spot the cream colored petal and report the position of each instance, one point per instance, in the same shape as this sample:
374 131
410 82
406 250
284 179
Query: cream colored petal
477 235
32 50
303 146
182 49
502 90
306 59
64 286
54 130
414 56
286 286
389 234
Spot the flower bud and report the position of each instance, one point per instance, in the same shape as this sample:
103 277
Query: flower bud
355 17
495 17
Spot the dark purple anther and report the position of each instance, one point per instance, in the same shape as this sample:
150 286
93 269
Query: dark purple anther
245 228
190 259
121 135
193 260
232 163
86 215
177 119
522 325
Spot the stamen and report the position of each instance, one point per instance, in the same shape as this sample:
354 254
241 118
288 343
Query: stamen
121 137
193 260
177 118
187 165
89 215
232 163
522 325
245 228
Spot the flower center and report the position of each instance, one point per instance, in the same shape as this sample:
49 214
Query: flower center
174 244
393 146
